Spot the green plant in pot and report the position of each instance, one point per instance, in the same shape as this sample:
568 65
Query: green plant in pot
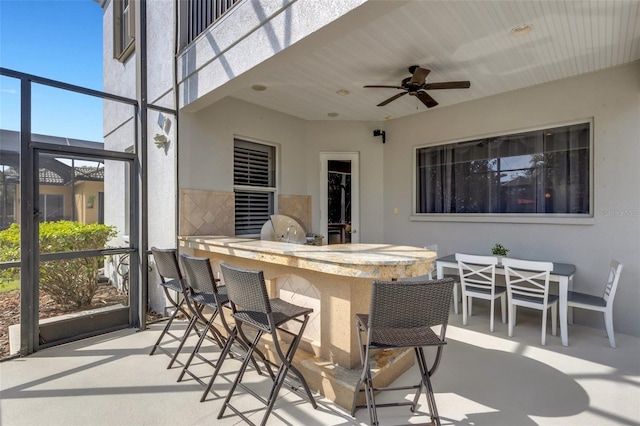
499 250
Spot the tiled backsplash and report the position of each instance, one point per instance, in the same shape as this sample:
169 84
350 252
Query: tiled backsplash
297 207
206 212
212 212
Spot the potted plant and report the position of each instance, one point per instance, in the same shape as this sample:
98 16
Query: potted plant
500 251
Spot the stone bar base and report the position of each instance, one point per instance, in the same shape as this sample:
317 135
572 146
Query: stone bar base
338 383
335 281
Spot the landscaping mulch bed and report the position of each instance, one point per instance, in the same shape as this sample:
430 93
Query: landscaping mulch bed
106 295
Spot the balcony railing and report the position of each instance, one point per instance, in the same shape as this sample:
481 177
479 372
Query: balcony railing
203 13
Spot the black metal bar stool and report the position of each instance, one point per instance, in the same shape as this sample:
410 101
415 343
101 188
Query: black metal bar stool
210 294
202 293
171 281
401 315
252 307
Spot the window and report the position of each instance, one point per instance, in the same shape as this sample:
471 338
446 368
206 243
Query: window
254 185
537 172
51 207
123 29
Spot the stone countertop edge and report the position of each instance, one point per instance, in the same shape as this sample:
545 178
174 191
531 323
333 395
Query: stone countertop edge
356 260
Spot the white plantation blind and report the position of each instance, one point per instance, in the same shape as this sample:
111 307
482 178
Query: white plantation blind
254 185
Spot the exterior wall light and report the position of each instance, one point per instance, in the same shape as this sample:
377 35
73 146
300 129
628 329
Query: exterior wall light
378 132
161 140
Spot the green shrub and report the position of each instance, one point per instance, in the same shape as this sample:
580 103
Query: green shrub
69 281
10 251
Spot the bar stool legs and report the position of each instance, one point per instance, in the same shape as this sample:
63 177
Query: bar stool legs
252 308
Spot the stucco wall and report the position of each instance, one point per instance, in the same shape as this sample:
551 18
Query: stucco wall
261 29
86 212
206 154
206 145
119 130
612 99
336 136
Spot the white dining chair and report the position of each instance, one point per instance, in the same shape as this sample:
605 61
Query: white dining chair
528 286
602 303
478 280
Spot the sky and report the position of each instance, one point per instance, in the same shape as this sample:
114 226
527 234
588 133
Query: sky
59 40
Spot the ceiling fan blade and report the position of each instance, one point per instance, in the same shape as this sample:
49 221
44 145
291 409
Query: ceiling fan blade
419 75
393 98
385 87
426 99
448 85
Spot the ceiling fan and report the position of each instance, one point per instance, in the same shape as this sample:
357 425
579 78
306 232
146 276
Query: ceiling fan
417 86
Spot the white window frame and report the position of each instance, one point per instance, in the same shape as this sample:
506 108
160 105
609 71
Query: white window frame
536 218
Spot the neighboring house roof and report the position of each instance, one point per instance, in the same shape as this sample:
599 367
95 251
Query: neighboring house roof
10 145
89 173
52 172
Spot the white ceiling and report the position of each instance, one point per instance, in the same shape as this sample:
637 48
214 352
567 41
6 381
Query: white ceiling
456 40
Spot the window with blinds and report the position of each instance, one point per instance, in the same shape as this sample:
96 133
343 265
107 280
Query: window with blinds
254 185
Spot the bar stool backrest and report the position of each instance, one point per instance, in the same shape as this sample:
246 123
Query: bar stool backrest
199 274
410 304
167 263
246 288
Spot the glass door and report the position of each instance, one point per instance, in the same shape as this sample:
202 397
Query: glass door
339 197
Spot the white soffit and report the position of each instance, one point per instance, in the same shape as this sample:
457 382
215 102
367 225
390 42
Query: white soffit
456 40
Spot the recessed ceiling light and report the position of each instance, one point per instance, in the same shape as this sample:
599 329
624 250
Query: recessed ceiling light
521 30
333 114
343 92
259 87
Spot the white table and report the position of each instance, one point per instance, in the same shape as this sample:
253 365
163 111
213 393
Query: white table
562 273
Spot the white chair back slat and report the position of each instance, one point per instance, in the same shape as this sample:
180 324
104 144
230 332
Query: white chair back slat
587 301
528 285
477 271
478 280
615 270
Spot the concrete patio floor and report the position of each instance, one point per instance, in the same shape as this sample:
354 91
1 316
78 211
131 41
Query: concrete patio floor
484 379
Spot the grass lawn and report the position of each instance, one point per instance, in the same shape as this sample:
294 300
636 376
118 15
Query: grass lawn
7 286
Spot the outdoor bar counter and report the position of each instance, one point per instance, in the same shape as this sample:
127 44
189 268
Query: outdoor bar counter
335 280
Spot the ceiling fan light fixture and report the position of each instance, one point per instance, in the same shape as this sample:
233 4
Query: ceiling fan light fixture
521 30
259 87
